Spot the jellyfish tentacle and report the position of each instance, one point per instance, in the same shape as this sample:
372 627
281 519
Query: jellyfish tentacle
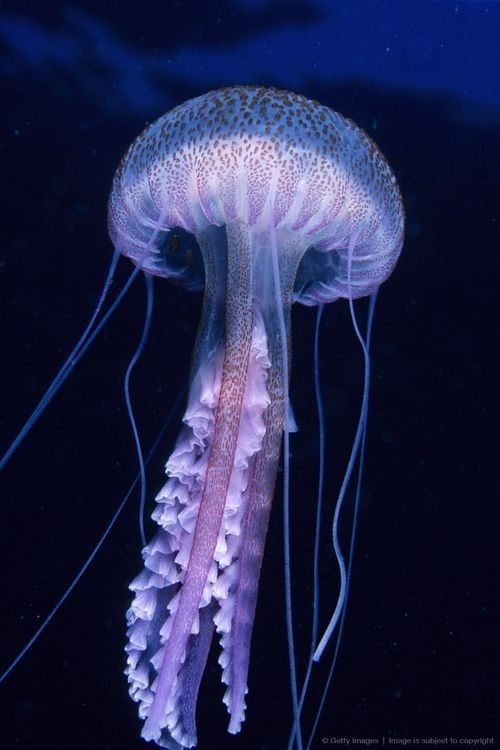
165 558
194 667
358 441
233 589
65 369
128 401
319 512
365 343
76 579
254 531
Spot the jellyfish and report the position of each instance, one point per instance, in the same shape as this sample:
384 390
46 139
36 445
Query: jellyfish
262 198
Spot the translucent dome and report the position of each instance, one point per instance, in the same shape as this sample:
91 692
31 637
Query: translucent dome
266 158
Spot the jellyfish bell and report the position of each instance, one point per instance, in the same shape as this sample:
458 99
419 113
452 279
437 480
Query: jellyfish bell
285 200
265 158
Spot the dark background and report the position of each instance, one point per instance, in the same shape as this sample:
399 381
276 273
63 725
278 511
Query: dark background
78 83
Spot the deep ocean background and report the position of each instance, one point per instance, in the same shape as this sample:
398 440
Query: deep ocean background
79 81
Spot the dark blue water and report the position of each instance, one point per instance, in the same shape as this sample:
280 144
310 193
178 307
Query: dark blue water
79 81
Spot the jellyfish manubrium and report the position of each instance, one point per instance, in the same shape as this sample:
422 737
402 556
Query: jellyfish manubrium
287 201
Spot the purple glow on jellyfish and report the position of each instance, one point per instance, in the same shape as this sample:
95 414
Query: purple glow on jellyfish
288 201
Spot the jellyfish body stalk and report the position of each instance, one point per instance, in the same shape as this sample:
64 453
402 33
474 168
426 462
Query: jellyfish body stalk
238 359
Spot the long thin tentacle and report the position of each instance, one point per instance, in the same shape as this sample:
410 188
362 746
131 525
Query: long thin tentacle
319 512
352 542
64 370
350 466
140 348
83 343
286 484
36 635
